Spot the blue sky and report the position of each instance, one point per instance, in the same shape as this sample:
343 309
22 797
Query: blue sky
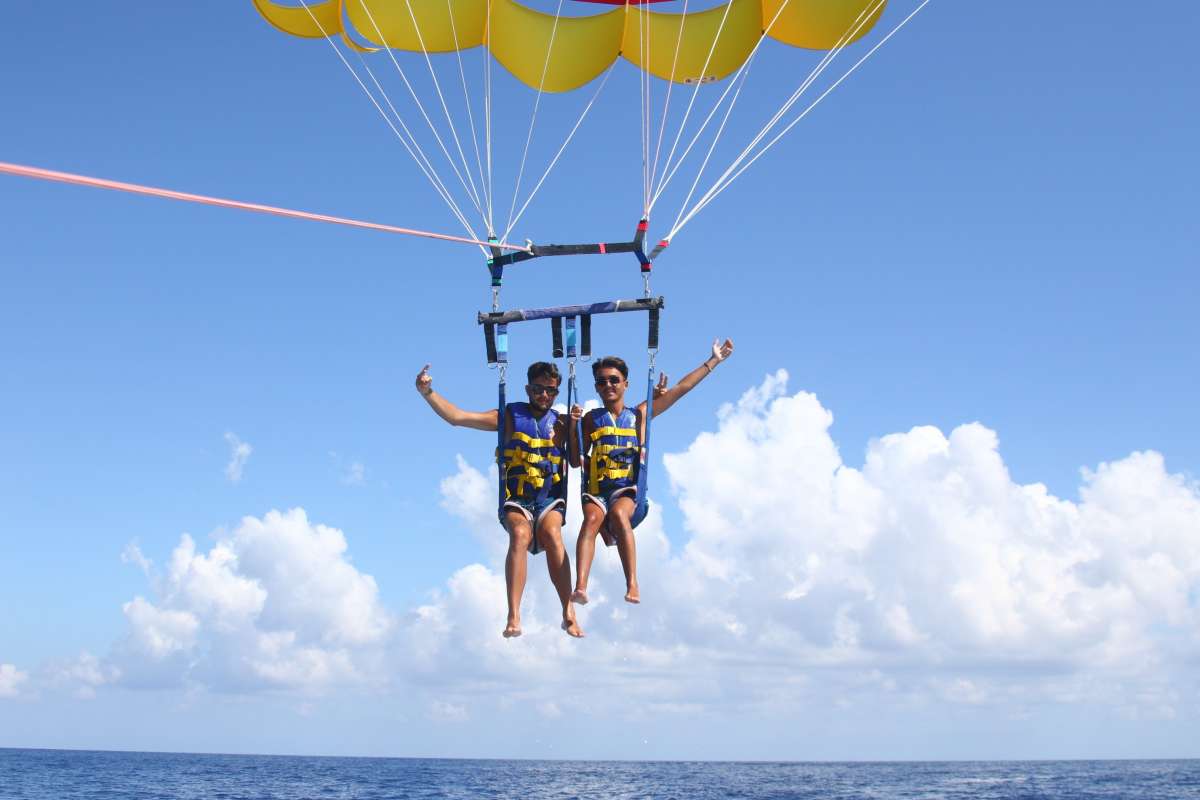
992 222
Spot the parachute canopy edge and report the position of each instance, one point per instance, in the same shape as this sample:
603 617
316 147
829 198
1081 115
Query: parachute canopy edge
583 46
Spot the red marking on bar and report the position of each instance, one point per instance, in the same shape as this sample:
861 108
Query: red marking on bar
603 250
643 225
664 243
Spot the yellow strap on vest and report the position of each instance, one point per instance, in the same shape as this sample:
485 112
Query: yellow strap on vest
612 431
532 442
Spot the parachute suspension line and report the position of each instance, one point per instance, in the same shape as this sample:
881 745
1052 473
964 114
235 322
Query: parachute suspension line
662 126
487 108
437 184
441 98
723 183
421 107
711 147
827 59
487 199
563 147
644 82
669 174
696 90
423 162
533 119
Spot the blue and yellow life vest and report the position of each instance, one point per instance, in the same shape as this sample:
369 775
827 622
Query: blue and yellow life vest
533 464
614 452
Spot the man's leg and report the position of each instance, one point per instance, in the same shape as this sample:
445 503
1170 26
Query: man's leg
549 535
585 549
515 567
619 525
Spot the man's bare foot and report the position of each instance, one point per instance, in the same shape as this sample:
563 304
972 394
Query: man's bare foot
572 628
512 630
632 595
579 597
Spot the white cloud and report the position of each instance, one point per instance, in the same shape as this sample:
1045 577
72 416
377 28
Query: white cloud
927 575
239 453
928 572
442 711
82 676
352 474
11 679
132 554
355 475
274 603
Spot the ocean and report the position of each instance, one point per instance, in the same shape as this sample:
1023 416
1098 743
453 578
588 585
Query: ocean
84 775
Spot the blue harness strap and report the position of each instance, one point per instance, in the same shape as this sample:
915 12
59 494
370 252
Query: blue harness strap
572 398
643 503
501 344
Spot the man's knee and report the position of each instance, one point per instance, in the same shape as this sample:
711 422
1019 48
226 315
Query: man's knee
520 534
550 536
618 518
593 517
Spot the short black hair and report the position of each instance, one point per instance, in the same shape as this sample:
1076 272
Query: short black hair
611 362
543 368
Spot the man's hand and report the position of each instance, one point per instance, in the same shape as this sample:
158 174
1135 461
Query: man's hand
424 382
576 413
722 350
660 388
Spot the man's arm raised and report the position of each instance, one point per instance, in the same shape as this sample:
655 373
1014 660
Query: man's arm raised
664 398
480 420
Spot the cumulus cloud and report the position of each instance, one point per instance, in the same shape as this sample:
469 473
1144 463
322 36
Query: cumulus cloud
924 575
239 453
81 676
275 603
11 679
353 473
928 572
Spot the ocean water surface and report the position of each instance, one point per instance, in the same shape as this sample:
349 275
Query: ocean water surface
80 775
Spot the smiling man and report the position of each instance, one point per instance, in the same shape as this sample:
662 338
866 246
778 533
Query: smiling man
534 464
612 441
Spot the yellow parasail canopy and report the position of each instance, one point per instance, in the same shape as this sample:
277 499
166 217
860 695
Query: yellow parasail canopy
583 46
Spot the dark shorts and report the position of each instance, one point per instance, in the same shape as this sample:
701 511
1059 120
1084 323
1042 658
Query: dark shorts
534 511
605 502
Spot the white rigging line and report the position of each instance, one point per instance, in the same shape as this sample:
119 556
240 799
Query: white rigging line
644 80
667 102
432 178
433 129
487 109
533 120
713 145
563 147
669 174
699 80
438 88
826 59
723 183
487 200
419 156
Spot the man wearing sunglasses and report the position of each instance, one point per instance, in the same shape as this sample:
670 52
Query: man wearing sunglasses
534 464
612 437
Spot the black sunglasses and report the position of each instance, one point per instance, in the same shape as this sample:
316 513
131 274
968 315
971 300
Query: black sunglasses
537 388
609 380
